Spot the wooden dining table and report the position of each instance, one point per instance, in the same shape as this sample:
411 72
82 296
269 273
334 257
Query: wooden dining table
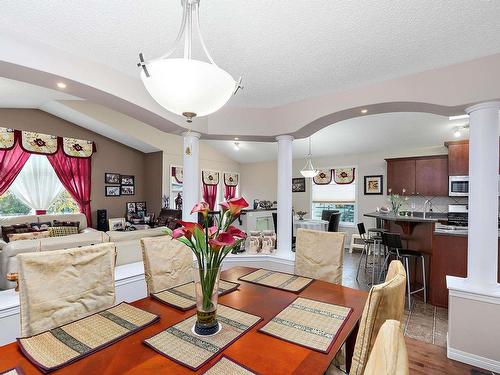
257 351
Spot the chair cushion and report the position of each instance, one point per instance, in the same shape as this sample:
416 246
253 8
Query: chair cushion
58 287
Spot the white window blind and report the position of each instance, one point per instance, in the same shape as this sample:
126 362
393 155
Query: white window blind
334 192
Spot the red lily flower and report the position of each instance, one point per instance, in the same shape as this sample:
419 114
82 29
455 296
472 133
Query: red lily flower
201 207
234 205
223 239
189 227
235 232
212 230
179 232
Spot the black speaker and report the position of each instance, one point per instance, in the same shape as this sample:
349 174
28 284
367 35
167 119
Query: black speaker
102 220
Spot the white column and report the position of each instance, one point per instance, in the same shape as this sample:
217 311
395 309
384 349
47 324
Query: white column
483 193
284 191
191 182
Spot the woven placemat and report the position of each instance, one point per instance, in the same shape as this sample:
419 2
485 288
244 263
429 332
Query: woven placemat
227 366
14 371
278 280
309 323
183 297
181 345
58 347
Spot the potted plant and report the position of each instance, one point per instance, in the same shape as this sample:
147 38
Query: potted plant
396 201
210 245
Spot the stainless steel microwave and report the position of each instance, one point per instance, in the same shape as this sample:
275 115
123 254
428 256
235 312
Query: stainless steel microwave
458 186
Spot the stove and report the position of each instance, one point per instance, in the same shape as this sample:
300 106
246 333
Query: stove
458 215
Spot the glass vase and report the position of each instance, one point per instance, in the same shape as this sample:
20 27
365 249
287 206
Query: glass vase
206 281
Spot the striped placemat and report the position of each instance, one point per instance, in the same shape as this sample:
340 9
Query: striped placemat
183 297
227 366
58 347
14 371
309 323
278 280
180 344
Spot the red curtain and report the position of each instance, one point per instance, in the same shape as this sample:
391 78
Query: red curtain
11 163
74 174
210 195
229 192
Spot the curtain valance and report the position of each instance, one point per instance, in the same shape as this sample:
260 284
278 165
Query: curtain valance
230 179
210 177
344 176
324 177
45 144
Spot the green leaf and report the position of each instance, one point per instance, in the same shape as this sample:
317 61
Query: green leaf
168 232
199 236
185 241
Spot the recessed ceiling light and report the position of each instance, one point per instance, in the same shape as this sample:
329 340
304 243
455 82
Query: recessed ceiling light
460 117
364 111
61 85
236 138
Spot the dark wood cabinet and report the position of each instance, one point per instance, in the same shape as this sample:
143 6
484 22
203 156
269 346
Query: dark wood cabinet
426 175
431 176
401 175
458 158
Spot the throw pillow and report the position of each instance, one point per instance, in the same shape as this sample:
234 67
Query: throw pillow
62 231
58 223
12 229
41 226
28 236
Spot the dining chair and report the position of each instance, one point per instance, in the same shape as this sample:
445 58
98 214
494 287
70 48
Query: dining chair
333 223
275 224
60 286
385 301
167 263
320 255
325 214
388 355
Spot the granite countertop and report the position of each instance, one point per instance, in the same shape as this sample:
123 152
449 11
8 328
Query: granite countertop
455 233
258 209
431 217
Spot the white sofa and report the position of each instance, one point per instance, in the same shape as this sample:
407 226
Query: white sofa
128 245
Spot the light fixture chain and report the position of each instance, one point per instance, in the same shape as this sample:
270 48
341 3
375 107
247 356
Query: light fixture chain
200 35
179 35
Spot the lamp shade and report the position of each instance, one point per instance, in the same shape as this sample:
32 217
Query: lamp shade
308 171
186 85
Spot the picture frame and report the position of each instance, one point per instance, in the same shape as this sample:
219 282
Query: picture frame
117 224
112 191
298 185
112 178
131 208
127 180
127 190
374 185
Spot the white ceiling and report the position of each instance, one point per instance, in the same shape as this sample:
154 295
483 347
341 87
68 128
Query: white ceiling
15 94
285 50
397 132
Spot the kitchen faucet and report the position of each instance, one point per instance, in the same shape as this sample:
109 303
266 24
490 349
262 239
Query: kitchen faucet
425 206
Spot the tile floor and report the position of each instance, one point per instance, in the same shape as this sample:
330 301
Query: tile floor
423 322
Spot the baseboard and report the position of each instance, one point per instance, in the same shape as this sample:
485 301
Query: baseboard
473 359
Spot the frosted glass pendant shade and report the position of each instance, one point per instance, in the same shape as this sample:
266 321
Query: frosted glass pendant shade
188 86
308 171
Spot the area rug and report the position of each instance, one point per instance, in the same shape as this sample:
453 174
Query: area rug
278 280
183 297
14 371
226 366
58 347
309 323
181 345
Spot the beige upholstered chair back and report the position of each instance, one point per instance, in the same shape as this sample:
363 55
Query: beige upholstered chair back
167 263
385 301
388 355
319 255
61 286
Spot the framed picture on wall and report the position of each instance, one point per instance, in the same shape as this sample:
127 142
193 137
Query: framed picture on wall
128 190
374 185
127 180
298 185
112 178
112 191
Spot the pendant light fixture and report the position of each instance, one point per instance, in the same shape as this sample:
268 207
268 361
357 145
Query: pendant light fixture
186 86
308 171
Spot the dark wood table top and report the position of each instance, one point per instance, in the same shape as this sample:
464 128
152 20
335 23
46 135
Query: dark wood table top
258 351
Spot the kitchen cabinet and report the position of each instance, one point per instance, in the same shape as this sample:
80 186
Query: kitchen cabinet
426 175
431 176
458 158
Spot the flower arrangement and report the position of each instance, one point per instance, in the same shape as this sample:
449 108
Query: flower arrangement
301 214
210 245
397 200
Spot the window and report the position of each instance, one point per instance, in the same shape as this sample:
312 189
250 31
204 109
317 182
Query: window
335 197
37 187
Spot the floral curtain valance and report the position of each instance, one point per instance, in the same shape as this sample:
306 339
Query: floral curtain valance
231 179
344 176
45 144
324 177
210 177
178 174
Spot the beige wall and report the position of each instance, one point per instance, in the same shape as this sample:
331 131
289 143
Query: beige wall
111 156
153 172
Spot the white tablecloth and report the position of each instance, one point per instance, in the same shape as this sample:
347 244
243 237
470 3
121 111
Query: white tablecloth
321 225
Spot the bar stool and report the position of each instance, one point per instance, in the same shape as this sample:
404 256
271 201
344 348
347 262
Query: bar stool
392 241
368 242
